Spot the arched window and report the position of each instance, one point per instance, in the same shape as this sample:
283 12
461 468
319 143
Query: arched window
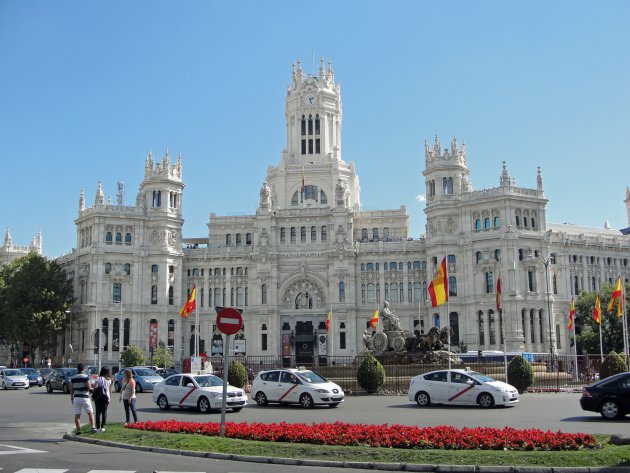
447 185
283 235
324 233
497 222
228 239
497 255
127 269
105 334
303 234
126 332
295 200
478 257
118 238
486 223
303 126
393 292
386 233
313 234
518 221
108 268
452 286
322 197
127 238
317 124
263 294
238 239
154 268
416 291
116 335
482 337
240 297
375 233
432 188
371 292
310 124
248 238
170 295
108 238
533 221
293 234
364 234
154 295
342 291
477 224
310 193
218 301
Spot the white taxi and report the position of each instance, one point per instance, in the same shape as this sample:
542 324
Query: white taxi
295 386
199 391
460 387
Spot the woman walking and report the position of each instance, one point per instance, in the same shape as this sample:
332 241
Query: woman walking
128 396
101 401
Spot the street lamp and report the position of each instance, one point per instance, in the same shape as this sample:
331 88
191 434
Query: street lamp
546 262
97 337
69 313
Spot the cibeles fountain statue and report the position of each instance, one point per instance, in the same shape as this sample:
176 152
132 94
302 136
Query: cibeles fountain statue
393 340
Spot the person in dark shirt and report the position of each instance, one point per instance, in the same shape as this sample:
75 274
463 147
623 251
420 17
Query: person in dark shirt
80 388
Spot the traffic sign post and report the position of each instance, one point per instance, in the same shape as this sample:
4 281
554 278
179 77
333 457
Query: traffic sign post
229 322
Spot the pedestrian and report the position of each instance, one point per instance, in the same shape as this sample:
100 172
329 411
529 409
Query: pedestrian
128 396
80 388
101 402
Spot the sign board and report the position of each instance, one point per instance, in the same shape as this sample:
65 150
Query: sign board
25 359
239 346
195 364
321 340
229 321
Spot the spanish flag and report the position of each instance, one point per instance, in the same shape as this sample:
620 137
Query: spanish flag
438 289
374 320
190 304
329 319
597 312
571 314
616 295
499 294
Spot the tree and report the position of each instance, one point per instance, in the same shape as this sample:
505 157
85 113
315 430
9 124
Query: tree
588 330
371 374
132 356
520 373
237 374
162 356
612 364
34 296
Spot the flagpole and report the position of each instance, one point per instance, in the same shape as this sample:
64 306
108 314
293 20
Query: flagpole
448 314
332 335
575 372
624 321
502 322
196 323
601 345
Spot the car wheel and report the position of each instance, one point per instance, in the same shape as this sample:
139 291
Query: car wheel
65 388
117 386
4 386
609 410
423 399
333 404
163 403
237 409
306 401
49 388
261 399
138 388
27 387
203 405
485 400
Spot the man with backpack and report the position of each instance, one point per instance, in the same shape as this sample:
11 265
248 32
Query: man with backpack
80 388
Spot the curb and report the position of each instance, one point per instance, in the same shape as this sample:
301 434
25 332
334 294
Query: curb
415 467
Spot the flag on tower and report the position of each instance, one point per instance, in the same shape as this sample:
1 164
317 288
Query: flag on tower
499 294
328 319
571 314
438 289
190 304
374 320
597 311
616 295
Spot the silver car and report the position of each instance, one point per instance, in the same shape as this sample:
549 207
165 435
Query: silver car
13 379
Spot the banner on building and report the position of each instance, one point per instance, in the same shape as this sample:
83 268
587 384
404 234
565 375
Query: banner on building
239 346
153 334
286 344
321 340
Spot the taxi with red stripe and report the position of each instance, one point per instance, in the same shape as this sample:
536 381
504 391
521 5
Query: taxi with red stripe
198 391
295 386
460 387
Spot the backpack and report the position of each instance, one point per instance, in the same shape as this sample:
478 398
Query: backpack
99 393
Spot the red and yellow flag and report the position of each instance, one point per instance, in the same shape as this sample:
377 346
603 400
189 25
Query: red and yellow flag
597 311
328 320
571 314
374 320
190 304
616 295
499 294
438 289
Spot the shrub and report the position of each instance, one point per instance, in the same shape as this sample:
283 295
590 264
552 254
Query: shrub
371 374
237 374
132 356
520 373
612 364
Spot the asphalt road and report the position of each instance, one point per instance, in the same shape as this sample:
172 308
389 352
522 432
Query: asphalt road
36 420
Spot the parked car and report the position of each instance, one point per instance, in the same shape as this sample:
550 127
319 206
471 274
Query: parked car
200 391
166 372
34 376
610 396
60 379
45 372
460 387
13 378
294 386
145 378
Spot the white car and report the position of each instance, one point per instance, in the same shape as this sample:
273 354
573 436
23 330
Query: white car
13 378
294 386
199 391
460 387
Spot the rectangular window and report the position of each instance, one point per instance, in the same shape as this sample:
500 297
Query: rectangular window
303 146
263 341
154 298
317 147
530 281
310 146
489 282
342 340
117 292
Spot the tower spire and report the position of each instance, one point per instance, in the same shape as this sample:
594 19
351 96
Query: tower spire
100 197
82 201
8 242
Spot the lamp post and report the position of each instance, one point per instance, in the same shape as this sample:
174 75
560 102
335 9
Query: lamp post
69 313
97 337
546 262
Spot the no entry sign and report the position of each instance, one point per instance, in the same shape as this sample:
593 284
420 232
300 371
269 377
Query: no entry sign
229 321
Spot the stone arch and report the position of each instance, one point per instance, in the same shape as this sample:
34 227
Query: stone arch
304 292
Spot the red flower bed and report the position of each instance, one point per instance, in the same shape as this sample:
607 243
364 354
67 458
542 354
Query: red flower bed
390 436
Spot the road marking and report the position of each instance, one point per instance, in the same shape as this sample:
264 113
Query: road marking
17 450
112 471
39 470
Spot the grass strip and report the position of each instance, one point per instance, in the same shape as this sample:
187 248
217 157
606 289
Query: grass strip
609 455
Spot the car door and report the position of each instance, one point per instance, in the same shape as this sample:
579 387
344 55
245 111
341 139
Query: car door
186 392
289 387
170 389
269 385
436 384
624 393
461 389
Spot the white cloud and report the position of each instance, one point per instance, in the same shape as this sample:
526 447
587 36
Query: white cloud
420 198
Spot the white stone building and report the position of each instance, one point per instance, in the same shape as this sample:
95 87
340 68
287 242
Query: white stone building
309 248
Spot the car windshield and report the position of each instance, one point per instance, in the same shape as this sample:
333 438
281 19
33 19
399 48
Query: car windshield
29 370
69 371
311 377
13 373
480 377
145 372
209 381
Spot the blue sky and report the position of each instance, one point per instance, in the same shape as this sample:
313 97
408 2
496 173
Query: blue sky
87 89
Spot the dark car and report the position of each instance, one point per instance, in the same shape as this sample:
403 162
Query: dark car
166 372
610 396
34 376
45 372
59 379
